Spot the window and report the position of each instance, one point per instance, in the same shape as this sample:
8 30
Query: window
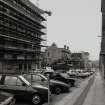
20 66
9 80
19 83
35 78
48 54
29 66
2 78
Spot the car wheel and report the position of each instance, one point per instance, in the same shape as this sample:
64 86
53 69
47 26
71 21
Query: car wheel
57 90
36 99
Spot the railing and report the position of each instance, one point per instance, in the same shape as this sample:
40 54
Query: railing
32 27
19 48
44 23
8 31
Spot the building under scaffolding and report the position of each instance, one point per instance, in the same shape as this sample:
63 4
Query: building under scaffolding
102 52
20 35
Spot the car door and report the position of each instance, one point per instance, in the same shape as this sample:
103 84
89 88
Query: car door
44 81
13 85
8 84
40 80
57 77
23 89
60 78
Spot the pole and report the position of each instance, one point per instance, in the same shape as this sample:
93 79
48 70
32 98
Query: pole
48 89
49 13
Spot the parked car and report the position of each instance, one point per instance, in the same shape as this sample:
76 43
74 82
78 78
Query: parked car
63 78
56 87
22 89
83 74
6 98
72 74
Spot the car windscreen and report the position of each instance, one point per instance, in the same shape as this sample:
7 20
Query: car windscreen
65 75
42 76
24 80
35 78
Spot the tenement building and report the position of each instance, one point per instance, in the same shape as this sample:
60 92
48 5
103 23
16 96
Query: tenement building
102 52
20 35
58 56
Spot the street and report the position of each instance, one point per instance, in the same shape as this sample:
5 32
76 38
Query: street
49 53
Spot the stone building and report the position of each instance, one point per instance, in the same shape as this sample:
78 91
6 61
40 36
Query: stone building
80 60
58 55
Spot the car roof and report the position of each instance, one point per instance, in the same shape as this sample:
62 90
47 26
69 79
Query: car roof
9 74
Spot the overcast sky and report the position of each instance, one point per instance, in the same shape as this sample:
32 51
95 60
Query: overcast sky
76 23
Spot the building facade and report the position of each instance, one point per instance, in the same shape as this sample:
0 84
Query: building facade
20 35
80 60
57 55
102 52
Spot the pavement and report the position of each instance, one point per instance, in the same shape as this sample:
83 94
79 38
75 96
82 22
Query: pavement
90 92
96 95
78 96
57 98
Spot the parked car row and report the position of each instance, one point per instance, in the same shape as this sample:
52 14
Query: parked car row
80 73
60 77
55 86
23 90
33 87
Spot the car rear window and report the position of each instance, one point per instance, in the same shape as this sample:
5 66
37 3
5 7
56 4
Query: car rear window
10 80
35 78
